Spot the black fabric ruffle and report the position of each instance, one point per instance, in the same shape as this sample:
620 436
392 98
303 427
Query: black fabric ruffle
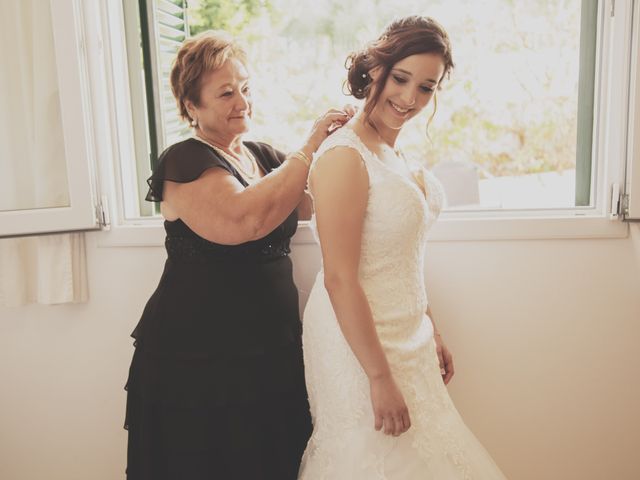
241 418
185 161
221 308
182 162
190 381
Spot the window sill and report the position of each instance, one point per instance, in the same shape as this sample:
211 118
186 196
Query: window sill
150 233
449 229
146 233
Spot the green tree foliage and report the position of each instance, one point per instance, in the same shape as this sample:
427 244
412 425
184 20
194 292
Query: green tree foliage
230 15
510 106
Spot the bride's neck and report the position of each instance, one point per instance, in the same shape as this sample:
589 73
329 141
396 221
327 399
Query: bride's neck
375 131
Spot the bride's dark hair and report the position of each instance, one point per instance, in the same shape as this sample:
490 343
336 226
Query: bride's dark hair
402 38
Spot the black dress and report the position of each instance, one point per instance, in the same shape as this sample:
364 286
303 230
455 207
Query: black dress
216 385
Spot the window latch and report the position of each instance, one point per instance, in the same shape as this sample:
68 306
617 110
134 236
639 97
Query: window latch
615 201
102 213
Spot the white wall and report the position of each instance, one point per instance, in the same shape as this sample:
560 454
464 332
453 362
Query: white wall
545 334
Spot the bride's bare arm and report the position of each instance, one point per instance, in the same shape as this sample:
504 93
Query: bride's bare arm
339 183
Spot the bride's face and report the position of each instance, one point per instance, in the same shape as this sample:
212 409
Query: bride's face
409 88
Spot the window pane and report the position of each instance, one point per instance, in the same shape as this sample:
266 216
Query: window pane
506 128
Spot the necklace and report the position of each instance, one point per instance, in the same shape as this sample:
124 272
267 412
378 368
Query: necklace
373 127
235 161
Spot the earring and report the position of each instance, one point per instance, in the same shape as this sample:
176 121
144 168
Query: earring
194 122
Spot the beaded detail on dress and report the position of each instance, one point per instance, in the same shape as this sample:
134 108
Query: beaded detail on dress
199 249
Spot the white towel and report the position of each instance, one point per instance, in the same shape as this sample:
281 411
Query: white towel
45 269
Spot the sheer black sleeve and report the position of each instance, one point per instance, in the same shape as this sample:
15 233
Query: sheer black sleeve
182 162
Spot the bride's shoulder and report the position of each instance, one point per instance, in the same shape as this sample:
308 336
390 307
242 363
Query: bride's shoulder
339 154
343 141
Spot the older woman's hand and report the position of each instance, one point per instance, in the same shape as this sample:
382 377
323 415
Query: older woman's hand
350 109
325 126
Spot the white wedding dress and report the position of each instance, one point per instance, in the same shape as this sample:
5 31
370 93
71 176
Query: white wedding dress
344 444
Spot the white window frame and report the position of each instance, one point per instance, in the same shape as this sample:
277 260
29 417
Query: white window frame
84 210
611 134
630 204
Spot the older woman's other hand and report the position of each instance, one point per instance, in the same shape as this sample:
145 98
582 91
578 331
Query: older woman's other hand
323 127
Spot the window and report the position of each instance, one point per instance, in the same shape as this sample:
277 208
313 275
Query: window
630 207
47 163
514 126
531 125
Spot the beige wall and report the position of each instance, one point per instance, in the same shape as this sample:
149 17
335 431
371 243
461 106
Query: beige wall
546 337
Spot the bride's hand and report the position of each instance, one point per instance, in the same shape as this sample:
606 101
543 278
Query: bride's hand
389 408
445 359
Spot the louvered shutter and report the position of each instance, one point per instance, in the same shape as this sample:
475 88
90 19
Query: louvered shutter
164 28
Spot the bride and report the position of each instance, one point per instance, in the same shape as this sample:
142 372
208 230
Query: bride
376 386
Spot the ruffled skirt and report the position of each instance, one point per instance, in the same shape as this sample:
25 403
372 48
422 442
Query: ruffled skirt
241 419
216 386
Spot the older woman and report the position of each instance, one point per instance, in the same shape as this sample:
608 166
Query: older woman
216 386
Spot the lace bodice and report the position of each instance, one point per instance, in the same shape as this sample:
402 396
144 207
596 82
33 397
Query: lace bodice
397 219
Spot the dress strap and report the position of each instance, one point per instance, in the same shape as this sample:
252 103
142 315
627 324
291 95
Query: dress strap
344 137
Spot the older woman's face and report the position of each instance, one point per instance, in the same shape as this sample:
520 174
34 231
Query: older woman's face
225 101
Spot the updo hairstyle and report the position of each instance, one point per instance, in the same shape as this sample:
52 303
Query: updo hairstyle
402 38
